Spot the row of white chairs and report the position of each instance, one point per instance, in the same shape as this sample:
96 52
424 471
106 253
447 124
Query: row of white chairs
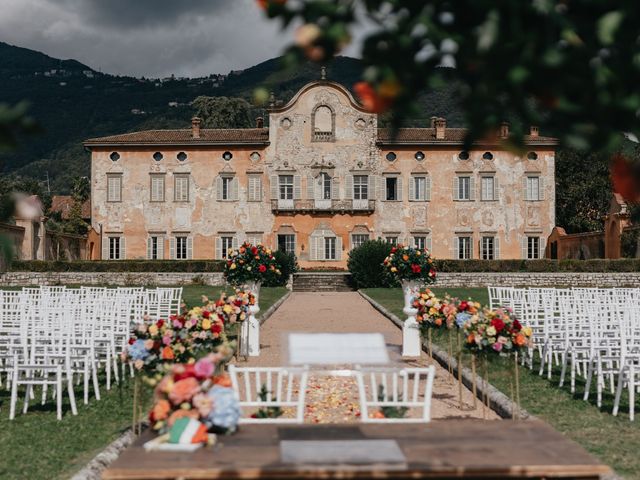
56 337
378 388
590 332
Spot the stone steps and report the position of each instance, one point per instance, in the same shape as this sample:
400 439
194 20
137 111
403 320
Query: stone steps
322 282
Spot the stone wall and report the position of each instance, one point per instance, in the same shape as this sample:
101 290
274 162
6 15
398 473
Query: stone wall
13 279
453 280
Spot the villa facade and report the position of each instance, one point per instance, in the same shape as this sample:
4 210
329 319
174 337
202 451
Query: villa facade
321 179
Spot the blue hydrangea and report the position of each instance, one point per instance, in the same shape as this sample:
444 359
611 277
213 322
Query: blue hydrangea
226 410
137 351
461 319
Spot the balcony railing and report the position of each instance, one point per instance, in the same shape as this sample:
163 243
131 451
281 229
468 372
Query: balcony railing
323 136
322 206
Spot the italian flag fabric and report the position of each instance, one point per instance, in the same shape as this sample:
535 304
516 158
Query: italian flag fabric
187 430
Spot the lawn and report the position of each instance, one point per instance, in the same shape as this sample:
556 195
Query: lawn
37 446
615 440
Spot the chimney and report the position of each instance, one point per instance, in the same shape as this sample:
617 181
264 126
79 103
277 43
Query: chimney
195 127
259 122
504 130
441 125
533 131
433 122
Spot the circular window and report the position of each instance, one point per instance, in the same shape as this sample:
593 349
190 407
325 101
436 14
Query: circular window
285 123
463 155
419 156
181 156
487 156
255 156
227 156
115 156
532 156
391 156
157 156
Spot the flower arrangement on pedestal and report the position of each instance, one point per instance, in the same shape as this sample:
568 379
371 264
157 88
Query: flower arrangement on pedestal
413 267
197 392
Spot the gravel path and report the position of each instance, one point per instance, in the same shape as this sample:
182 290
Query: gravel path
335 399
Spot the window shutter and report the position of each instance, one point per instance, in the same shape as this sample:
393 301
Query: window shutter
540 188
105 248
123 249
495 188
160 248
234 189
472 188
338 247
172 248
456 189
317 191
496 248
412 189
543 246
218 248
371 187
258 183
412 241
381 190
313 255
335 188
455 248
297 191
149 249
234 242
525 190
523 247
427 243
189 248
348 182
427 188
251 189
274 187
219 188
311 188
399 188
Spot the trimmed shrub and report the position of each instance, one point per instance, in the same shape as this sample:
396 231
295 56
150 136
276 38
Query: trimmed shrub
178 266
288 265
365 265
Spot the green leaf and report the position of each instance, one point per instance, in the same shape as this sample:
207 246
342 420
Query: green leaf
608 26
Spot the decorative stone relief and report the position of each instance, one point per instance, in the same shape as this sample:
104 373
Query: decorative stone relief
419 216
487 218
463 217
182 217
533 216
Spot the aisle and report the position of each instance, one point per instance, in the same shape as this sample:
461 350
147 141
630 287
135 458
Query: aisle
331 399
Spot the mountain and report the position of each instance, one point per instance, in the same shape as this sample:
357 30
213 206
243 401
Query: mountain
72 102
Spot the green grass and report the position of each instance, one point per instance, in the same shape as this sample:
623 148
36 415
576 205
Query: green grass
614 440
38 446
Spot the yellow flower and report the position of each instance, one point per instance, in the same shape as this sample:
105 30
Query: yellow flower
394 269
153 329
227 309
527 331
206 324
491 331
232 266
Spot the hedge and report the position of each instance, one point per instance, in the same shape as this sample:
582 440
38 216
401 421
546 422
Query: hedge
546 265
179 266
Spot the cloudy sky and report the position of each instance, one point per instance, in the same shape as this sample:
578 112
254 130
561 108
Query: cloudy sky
146 37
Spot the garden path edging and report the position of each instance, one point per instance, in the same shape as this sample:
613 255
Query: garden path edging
272 309
499 402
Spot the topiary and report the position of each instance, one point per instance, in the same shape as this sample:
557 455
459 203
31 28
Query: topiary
365 265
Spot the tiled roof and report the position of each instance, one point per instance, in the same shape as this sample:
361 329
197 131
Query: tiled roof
221 136
452 135
63 204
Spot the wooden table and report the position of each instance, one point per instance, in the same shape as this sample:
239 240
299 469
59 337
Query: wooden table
440 449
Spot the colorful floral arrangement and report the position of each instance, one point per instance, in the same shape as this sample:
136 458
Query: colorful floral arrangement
181 338
408 263
446 313
495 331
251 263
195 391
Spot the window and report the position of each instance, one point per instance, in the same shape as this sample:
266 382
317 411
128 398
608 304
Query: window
533 248
323 129
489 248
360 187
114 188
463 248
325 186
157 188
391 157
181 248
391 188
155 248
488 188
419 156
420 242
182 156
487 156
287 243
329 248
420 189
254 238
463 155
115 156
227 156
226 188
532 156
393 240
157 156
463 188
255 188
285 183
358 239
181 188
226 246
533 188
116 248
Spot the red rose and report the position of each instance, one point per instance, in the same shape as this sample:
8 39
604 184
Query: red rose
254 251
262 268
185 372
463 306
206 314
216 328
160 323
432 273
393 249
516 325
497 324
132 341
416 268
